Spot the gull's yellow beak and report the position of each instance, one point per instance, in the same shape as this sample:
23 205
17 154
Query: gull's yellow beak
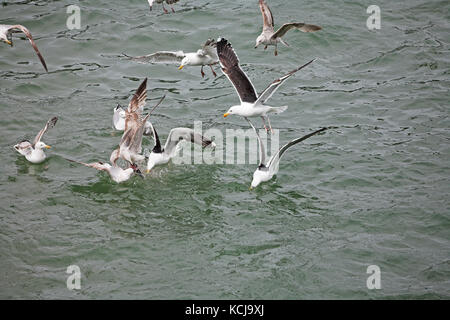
47 147
226 115
250 188
180 67
147 171
8 42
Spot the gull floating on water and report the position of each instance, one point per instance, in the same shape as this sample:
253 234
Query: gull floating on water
269 37
169 2
34 152
251 105
206 56
160 155
266 171
6 36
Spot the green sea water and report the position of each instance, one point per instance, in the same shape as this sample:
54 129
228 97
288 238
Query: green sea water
372 190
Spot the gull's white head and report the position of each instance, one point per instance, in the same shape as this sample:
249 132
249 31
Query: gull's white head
232 110
6 37
259 40
40 145
152 160
258 177
119 110
186 61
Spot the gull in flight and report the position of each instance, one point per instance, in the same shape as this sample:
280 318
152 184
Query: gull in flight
6 36
206 56
130 146
34 152
116 173
269 37
161 155
251 105
169 2
119 115
266 171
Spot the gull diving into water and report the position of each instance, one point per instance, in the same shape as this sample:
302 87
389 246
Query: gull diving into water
6 36
269 37
169 2
251 105
34 152
206 56
266 171
161 155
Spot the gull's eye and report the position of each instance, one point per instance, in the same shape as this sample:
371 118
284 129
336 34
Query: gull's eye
100 162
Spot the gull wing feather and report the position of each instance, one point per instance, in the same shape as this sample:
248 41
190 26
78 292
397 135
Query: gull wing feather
262 151
174 57
297 25
50 124
33 44
277 156
230 67
186 134
138 100
268 21
270 90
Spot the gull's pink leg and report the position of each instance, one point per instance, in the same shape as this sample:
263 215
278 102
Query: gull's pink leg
213 72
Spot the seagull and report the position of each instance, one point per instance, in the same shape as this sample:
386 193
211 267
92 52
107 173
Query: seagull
34 152
160 155
266 171
6 36
169 2
116 173
251 105
206 56
119 117
270 37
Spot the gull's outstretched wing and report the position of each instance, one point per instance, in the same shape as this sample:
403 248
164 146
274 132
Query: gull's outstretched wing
50 124
209 48
267 16
297 25
187 134
157 148
95 165
169 57
138 100
230 67
262 151
270 90
33 44
277 156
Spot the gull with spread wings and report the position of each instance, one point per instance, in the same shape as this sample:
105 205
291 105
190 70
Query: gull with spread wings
162 155
206 56
251 105
136 105
6 36
269 37
34 152
266 170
